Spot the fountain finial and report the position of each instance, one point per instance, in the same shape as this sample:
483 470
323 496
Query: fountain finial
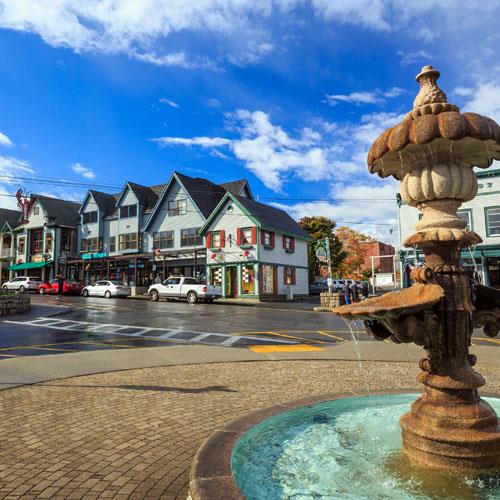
430 92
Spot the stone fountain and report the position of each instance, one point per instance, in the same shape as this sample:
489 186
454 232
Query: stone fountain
433 152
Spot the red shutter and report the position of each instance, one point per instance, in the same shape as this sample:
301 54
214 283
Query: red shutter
207 240
222 238
238 236
275 280
283 240
262 237
292 244
254 235
284 275
293 276
273 238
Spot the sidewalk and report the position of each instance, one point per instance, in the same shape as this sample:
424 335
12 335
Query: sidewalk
132 432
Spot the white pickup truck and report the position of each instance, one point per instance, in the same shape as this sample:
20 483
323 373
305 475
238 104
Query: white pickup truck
184 288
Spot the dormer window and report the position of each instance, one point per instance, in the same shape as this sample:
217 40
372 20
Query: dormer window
128 211
36 210
177 207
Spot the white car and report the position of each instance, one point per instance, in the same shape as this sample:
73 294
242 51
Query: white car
106 289
184 288
23 284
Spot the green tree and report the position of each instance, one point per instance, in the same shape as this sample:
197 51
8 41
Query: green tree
320 227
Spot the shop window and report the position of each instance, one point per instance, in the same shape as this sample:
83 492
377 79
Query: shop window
216 239
246 236
268 239
48 243
216 276
289 275
267 279
493 221
247 280
36 241
163 239
177 207
20 246
67 239
112 244
91 245
128 211
90 217
289 244
190 238
128 241
466 215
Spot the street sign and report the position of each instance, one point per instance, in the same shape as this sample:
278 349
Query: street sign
321 254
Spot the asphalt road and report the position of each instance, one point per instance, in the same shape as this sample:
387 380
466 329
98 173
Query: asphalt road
91 323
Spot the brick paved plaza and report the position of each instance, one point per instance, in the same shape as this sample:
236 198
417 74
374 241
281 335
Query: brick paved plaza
133 434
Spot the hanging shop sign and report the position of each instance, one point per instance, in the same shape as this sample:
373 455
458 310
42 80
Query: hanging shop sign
88 256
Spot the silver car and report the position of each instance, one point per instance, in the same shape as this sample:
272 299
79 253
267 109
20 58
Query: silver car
106 288
23 284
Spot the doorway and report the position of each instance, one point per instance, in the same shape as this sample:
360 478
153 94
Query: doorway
231 282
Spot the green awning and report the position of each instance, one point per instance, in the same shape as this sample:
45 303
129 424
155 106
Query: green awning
29 265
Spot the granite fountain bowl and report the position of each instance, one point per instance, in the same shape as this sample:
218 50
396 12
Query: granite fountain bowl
334 447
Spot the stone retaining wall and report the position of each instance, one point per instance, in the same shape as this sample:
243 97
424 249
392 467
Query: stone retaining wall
14 304
330 300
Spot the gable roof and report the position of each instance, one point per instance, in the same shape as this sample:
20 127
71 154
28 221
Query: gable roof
10 217
236 187
147 196
105 201
264 216
205 194
62 212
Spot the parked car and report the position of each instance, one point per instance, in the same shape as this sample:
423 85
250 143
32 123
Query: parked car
106 289
23 284
69 287
184 288
318 287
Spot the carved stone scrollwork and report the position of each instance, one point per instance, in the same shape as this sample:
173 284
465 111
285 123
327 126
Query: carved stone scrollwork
488 320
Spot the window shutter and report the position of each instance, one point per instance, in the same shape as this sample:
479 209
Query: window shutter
284 275
292 244
273 238
275 280
238 236
293 275
262 237
207 239
283 240
254 235
222 238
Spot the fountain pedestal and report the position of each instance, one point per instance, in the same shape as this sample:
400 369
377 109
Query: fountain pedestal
433 152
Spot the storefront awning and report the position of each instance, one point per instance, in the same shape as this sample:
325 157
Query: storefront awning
29 265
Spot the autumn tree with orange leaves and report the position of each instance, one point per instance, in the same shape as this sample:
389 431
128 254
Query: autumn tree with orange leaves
352 240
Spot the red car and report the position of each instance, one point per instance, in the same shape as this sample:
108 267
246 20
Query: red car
69 287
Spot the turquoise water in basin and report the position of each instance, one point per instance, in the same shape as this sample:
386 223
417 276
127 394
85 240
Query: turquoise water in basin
344 449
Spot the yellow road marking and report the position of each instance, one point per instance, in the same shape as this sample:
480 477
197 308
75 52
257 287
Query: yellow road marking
329 335
9 355
284 348
495 341
285 336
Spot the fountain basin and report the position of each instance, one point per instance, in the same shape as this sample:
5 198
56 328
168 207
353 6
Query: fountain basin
326 447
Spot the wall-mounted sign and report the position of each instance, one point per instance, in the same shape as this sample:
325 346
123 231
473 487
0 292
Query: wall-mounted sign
88 256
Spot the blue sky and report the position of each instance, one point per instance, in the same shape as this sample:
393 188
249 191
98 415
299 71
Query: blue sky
287 93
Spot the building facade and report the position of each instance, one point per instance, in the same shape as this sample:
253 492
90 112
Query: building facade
483 217
255 250
47 239
148 231
9 220
379 256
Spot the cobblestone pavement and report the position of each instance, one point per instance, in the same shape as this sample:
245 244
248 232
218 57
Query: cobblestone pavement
133 434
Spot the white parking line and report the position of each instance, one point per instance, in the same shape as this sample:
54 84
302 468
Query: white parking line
144 332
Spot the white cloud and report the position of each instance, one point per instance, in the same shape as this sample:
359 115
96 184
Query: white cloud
320 151
4 140
170 103
213 103
484 99
252 54
84 171
373 97
13 172
412 57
